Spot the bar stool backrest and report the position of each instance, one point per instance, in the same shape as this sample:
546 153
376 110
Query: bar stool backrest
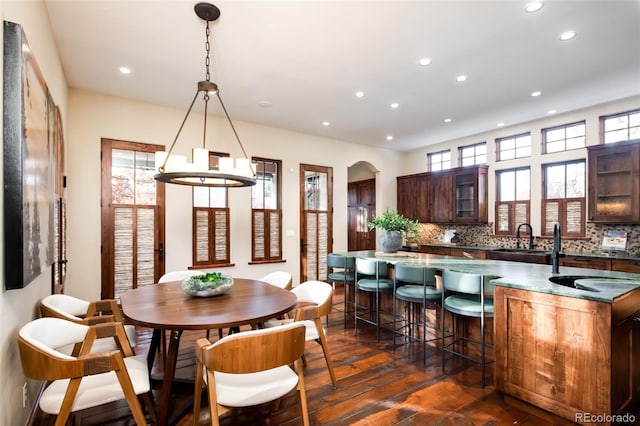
371 267
462 282
415 274
340 261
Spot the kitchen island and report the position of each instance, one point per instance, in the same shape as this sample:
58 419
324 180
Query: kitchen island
568 342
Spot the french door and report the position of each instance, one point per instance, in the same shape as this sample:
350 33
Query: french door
132 217
316 221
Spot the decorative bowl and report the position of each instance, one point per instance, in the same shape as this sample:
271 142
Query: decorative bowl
207 285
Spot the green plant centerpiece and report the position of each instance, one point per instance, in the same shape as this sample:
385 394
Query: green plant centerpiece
207 285
394 226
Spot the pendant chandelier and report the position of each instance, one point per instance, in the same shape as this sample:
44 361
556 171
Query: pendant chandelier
230 172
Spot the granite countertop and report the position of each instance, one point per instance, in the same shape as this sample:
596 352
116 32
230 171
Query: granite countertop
597 254
598 285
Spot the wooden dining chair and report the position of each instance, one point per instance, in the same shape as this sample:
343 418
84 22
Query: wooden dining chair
250 368
88 379
280 279
314 302
80 311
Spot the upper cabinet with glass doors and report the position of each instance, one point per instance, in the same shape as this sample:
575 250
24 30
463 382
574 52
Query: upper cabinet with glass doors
614 183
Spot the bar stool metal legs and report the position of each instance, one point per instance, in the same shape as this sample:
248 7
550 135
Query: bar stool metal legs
415 287
343 272
371 277
468 296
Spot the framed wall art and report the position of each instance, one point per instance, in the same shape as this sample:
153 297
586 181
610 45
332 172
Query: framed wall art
29 163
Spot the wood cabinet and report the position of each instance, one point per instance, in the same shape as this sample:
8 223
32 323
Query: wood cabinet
468 253
568 355
456 195
588 262
626 265
412 196
471 194
441 197
614 183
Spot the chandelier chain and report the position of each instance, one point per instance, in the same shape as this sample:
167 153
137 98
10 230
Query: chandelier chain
207 60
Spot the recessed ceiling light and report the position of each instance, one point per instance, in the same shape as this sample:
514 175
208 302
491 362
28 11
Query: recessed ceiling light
500 124
533 6
389 137
359 94
394 105
461 78
567 35
326 123
425 62
447 120
536 93
265 104
551 111
125 70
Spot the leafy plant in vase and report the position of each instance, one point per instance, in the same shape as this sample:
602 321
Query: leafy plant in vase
394 226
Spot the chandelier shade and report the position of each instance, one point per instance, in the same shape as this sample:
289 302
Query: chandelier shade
229 172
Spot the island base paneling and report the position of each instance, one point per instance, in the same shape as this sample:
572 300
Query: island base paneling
567 355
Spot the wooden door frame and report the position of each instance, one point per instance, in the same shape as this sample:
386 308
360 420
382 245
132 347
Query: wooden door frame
106 248
329 172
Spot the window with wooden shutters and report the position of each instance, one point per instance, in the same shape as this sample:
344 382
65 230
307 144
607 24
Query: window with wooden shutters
564 198
266 212
512 205
211 246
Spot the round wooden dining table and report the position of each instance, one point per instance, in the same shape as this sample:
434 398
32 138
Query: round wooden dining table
165 307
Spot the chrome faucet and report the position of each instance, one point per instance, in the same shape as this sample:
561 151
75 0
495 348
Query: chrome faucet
557 248
531 245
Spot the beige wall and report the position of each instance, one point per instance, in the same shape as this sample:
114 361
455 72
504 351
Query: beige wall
19 306
93 116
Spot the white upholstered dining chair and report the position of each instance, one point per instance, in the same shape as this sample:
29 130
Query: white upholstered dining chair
87 379
84 312
280 279
314 302
251 368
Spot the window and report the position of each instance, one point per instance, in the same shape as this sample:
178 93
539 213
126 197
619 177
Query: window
439 161
564 138
266 212
473 154
620 127
511 147
210 223
564 197
512 206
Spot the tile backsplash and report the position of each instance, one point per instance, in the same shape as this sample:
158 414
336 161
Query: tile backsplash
482 236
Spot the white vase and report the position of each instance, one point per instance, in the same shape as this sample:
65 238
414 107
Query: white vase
390 241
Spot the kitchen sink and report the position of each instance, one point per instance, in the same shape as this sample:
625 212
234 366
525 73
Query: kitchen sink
586 282
521 255
573 281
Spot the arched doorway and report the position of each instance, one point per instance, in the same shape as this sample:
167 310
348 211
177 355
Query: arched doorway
361 206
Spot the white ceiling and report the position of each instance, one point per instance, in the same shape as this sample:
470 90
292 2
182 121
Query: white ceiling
308 58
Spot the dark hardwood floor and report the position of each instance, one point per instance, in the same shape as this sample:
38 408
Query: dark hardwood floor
376 386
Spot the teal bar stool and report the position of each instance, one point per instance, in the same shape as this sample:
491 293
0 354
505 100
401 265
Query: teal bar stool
415 286
342 272
372 278
467 296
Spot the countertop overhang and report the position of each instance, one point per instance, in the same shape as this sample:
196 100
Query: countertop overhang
600 286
